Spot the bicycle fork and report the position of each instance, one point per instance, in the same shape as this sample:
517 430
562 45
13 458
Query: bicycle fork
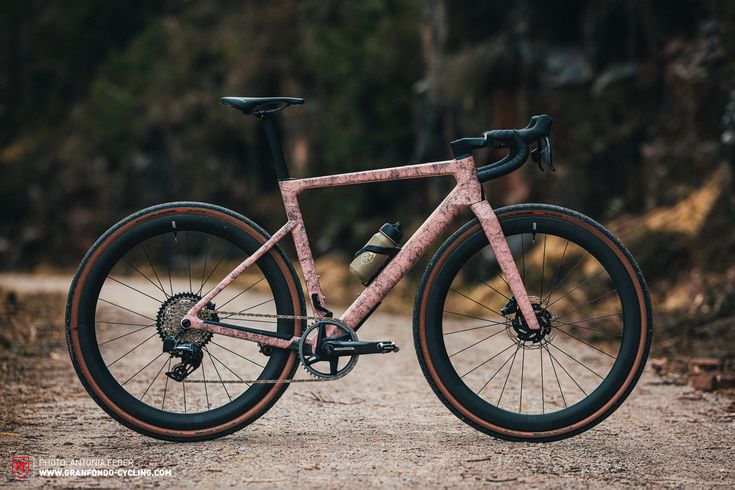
491 226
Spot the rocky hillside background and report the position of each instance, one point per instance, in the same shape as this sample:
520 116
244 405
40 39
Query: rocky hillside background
107 109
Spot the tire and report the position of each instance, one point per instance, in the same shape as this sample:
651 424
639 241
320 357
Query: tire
112 252
451 271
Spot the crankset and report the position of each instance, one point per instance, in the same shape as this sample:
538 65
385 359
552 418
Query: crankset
331 342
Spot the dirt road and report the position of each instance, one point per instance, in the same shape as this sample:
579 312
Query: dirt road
381 426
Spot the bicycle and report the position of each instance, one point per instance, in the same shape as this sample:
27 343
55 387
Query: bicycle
526 281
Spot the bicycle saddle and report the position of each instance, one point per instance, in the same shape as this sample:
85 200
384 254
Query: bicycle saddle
259 106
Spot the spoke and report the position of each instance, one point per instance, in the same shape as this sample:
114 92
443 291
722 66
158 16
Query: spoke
496 269
488 285
543 268
141 369
561 281
586 343
508 376
494 324
564 369
249 308
131 350
496 372
523 258
227 367
152 267
146 277
577 325
488 360
183 387
468 316
124 323
204 269
543 408
126 334
239 355
587 304
206 393
155 378
557 377
479 341
575 360
165 387
523 366
215 268
127 309
188 259
579 286
479 304
168 268
593 318
135 289
241 292
558 269
218 375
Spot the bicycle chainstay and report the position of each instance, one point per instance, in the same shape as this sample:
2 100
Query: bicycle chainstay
231 314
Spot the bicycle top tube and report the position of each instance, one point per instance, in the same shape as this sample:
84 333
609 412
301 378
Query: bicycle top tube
516 140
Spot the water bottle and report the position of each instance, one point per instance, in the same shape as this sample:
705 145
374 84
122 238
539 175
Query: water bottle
369 260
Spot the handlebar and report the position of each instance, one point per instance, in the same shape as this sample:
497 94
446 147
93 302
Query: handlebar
516 140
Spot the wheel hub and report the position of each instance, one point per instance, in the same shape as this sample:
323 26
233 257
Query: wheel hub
519 329
168 320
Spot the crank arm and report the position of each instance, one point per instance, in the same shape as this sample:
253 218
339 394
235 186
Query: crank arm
360 347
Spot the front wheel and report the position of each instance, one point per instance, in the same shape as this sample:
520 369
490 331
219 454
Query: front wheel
515 383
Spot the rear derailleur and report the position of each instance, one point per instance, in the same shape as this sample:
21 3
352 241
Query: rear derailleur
190 353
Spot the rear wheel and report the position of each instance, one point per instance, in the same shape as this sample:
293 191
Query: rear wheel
130 293
511 382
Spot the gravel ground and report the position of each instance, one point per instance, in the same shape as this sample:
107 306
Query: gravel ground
381 426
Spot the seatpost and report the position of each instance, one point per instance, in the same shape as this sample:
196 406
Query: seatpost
274 141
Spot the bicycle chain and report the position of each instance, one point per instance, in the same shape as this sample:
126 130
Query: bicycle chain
230 314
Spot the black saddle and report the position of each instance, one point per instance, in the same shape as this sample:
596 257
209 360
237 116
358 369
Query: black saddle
260 106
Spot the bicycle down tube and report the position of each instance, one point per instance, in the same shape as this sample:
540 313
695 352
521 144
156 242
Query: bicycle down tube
466 193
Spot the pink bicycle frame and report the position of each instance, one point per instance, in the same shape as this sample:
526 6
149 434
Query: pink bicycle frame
467 193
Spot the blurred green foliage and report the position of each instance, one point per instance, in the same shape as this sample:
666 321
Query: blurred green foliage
107 107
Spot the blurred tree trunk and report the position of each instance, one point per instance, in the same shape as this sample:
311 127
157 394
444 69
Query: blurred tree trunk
507 112
431 138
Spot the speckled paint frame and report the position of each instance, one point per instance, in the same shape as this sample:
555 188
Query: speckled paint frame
466 193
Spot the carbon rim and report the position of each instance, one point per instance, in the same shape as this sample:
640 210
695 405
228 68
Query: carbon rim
517 414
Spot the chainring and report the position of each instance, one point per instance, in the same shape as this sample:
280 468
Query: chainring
309 349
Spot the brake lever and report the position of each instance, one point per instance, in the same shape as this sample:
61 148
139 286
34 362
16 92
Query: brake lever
542 154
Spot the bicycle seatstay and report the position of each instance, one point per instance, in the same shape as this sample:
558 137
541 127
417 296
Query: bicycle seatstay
467 193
